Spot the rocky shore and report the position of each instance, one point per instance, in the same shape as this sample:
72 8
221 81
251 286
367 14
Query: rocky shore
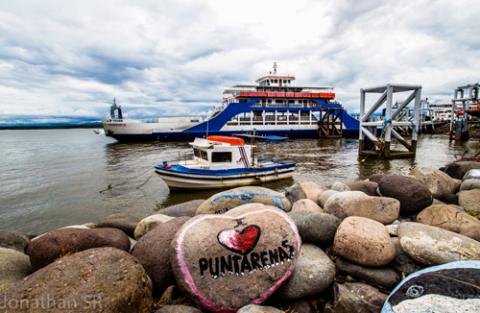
341 248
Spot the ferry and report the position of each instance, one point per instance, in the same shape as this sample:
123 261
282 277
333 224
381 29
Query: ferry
272 107
222 162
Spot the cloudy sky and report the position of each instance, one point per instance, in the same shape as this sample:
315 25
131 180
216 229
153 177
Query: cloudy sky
176 56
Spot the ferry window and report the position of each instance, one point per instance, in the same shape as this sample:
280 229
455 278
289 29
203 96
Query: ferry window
200 154
221 157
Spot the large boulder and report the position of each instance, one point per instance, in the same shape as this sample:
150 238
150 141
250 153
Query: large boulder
431 245
472 174
460 168
313 274
384 277
14 266
470 184
450 218
47 248
316 228
339 186
364 241
182 209
358 298
412 194
365 186
222 202
376 178
14 240
304 190
306 205
253 308
440 184
469 200
152 251
122 221
356 203
104 280
247 208
226 262
149 223
178 308
403 263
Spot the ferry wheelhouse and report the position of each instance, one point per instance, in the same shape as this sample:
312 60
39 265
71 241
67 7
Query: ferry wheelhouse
222 162
274 106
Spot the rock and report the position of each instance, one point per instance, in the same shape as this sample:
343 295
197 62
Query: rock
122 221
358 298
316 228
376 178
440 184
306 205
246 208
183 209
304 190
222 202
470 184
338 186
52 245
325 196
367 187
299 306
451 287
472 174
392 229
412 194
313 274
178 309
13 240
149 223
14 266
451 199
152 252
364 241
432 245
356 203
382 276
452 219
104 280
226 262
459 169
469 200
253 308
402 262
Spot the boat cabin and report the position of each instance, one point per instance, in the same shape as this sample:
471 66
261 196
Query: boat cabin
221 152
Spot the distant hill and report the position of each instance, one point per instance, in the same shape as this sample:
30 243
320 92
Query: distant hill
29 122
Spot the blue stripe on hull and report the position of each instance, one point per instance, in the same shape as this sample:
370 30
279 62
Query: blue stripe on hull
183 136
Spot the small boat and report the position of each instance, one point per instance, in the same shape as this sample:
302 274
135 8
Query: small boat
222 162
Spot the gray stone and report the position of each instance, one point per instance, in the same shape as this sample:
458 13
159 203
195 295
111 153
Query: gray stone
469 200
149 223
367 187
356 203
460 168
432 245
440 184
253 308
339 186
472 174
109 278
382 276
364 241
246 208
178 308
304 190
14 266
316 228
306 205
13 240
358 298
122 221
313 274
452 219
402 262
325 196
152 252
222 202
469 184
182 209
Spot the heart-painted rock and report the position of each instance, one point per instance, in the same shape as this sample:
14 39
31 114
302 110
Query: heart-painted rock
226 262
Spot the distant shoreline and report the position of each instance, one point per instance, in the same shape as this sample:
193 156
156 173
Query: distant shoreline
98 125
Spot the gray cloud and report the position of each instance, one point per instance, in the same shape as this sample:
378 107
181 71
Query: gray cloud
175 57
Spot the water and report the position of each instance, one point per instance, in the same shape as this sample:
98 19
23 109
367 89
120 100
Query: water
54 178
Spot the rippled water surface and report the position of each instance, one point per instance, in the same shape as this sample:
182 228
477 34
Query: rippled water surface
53 178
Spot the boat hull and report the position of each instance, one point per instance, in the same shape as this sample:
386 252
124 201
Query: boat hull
186 181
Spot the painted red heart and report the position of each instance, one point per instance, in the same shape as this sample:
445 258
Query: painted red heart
242 242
